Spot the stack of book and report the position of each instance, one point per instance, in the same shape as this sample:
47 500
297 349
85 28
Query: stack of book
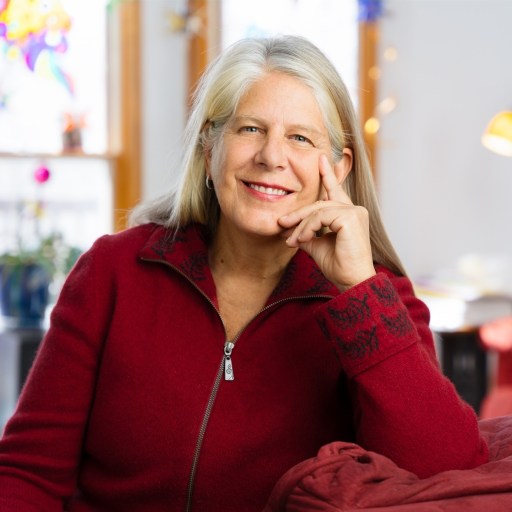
458 308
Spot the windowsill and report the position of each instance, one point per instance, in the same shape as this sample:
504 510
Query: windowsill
63 154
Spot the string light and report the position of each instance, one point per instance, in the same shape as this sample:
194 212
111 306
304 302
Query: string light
387 105
391 54
372 126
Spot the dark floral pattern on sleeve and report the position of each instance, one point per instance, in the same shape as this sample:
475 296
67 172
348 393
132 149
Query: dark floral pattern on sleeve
195 266
365 342
357 311
399 325
386 294
367 325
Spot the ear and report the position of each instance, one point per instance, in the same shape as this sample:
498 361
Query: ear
344 166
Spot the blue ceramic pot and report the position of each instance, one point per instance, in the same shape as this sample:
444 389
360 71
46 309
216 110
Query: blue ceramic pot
24 294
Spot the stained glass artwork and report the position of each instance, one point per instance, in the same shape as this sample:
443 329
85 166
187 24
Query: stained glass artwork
52 69
36 33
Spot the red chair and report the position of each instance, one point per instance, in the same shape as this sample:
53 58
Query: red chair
497 336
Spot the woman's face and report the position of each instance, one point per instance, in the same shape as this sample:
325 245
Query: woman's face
268 162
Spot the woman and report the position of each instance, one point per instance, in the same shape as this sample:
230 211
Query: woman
249 317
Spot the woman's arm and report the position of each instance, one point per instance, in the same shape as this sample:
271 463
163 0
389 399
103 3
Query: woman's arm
41 447
404 407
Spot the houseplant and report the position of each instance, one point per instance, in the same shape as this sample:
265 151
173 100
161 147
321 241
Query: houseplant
27 277
33 270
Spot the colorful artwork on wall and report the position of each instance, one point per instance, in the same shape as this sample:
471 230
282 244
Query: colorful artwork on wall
36 33
52 67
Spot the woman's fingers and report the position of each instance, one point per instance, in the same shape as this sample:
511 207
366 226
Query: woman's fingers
308 221
296 216
333 191
329 179
332 183
343 252
332 212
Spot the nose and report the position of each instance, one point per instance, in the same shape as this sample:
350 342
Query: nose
272 152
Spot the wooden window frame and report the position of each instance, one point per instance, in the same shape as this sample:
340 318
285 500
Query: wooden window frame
125 102
368 64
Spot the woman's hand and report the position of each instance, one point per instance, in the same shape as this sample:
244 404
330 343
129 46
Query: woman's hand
344 253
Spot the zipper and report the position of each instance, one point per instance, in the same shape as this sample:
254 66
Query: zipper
200 437
225 369
228 364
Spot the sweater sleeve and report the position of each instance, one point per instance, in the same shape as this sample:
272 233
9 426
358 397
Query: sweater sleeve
405 408
40 448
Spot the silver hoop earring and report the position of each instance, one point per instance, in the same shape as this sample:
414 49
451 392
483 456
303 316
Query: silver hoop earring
209 183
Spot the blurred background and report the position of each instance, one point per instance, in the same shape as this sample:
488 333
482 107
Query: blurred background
94 97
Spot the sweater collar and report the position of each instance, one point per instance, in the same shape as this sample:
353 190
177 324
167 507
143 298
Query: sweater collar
187 251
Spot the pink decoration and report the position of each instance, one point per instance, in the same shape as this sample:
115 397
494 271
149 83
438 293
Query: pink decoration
497 334
42 174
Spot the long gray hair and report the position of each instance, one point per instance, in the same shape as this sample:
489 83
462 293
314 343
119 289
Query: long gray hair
215 100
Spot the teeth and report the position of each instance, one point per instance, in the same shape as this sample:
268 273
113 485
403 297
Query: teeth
268 190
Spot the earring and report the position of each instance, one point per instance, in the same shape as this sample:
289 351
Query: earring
209 183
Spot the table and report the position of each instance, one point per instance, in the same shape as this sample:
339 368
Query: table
465 362
18 348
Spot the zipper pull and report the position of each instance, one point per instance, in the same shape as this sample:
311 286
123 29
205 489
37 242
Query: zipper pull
228 364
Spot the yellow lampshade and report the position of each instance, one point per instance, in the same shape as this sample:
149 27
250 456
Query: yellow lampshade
498 135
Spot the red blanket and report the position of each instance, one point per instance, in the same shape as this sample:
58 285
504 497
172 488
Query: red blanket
345 477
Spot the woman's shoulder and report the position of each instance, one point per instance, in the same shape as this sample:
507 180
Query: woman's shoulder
127 240
113 250
146 240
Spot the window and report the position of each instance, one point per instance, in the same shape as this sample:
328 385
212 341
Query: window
52 74
331 24
53 114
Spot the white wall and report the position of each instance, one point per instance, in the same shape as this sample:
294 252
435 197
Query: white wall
443 194
164 94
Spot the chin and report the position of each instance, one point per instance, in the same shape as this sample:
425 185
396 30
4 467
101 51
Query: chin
266 228
253 224
276 231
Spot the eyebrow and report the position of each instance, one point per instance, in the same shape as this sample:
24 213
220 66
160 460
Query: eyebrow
299 127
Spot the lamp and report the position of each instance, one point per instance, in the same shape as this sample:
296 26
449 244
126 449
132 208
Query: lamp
498 134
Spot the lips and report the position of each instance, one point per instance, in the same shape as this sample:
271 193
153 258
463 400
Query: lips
267 189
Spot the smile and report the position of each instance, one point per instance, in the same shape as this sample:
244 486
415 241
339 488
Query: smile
267 190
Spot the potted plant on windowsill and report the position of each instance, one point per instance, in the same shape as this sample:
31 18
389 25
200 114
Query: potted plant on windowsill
27 277
32 271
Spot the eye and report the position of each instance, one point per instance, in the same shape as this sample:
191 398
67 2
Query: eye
302 139
249 129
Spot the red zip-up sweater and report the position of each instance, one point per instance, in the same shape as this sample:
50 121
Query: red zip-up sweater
127 407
